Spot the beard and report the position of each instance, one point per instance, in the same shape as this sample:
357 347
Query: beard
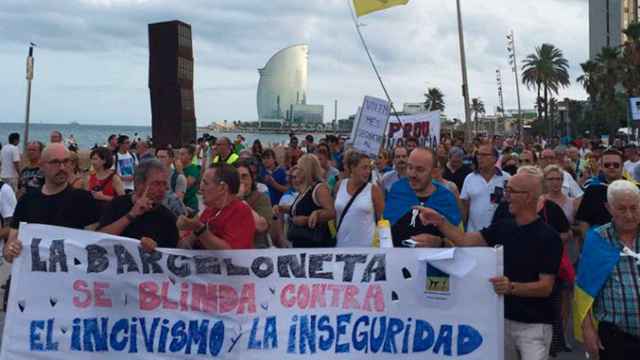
60 178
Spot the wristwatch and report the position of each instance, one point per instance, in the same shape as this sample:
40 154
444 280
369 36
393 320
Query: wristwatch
200 231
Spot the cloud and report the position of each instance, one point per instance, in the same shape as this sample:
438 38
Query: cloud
92 64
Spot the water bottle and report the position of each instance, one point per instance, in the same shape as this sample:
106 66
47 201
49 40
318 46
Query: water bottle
384 234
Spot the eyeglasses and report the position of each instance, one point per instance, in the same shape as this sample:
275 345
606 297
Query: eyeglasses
611 165
58 162
554 179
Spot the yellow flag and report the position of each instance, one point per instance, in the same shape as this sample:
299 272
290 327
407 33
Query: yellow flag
364 7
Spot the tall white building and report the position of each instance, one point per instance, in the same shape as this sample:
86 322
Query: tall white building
607 19
283 83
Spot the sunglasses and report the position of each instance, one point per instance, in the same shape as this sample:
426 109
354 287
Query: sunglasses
611 165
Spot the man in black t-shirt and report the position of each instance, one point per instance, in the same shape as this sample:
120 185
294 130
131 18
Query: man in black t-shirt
141 215
532 252
592 211
456 171
56 203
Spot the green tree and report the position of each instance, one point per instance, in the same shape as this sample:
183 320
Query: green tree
434 100
589 81
631 60
548 71
608 79
477 106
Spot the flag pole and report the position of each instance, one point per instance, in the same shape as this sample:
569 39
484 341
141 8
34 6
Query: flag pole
465 84
373 64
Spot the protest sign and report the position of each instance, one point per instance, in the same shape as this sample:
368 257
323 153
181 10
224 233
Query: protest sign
423 126
371 119
79 295
634 103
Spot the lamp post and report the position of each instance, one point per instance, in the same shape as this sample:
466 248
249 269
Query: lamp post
513 61
465 84
28 106
500 112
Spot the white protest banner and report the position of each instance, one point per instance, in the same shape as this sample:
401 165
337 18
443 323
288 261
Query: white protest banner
86 295
423 126
634 102
368 133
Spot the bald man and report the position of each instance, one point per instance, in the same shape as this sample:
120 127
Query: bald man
56 203
418 189
532 251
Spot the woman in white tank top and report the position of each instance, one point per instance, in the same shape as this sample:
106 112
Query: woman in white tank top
357 227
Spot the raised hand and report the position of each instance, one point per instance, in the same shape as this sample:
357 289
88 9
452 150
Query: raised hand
429 216
142 205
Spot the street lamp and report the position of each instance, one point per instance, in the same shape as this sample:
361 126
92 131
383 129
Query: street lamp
28 106
513 61
500 111
465 84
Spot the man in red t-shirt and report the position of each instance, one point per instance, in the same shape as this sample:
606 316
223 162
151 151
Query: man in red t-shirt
227 222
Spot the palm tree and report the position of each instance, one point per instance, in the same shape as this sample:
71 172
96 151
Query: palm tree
547 70
631 60
589 81
608 78
477 106
434 100
531 78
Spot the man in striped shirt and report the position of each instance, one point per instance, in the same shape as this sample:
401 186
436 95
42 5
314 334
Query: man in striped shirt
616 305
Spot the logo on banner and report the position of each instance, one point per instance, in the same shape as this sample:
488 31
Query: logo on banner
438 282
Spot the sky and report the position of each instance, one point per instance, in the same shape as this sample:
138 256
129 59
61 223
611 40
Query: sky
92 55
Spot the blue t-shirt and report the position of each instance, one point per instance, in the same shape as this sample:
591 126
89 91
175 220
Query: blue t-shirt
280 176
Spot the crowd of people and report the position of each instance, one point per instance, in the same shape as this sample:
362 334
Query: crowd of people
548 205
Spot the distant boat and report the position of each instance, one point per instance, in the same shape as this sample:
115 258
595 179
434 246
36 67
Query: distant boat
74 123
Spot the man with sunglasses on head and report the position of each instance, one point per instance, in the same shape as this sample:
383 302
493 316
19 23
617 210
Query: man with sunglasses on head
592 210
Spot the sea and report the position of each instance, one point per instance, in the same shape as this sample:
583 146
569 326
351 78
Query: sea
87 136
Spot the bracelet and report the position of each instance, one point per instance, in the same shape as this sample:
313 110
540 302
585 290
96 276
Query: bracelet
130 217
200 231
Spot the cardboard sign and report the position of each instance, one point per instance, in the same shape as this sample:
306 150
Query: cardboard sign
424 126
371 120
